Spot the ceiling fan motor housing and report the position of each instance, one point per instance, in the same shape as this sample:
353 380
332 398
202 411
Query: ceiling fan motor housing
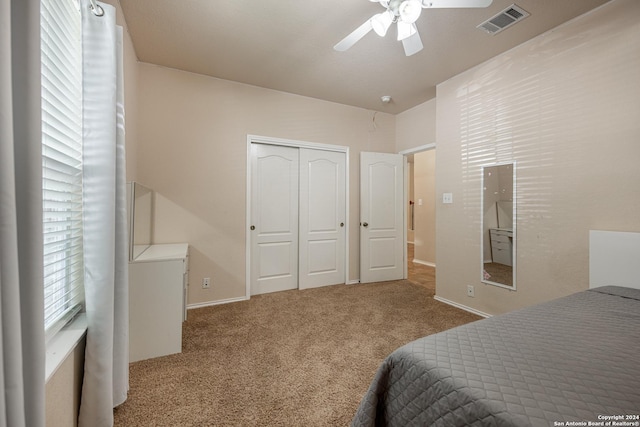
408 10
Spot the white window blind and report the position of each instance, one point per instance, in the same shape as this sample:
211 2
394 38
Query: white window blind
61 47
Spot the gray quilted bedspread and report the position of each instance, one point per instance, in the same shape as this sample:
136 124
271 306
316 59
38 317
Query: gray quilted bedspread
574 359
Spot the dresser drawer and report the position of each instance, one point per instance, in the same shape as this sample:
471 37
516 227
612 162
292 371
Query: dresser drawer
500 239
502 236
501 256
501 245
497 232
505 246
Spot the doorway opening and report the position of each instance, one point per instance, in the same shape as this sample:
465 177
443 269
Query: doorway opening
420 207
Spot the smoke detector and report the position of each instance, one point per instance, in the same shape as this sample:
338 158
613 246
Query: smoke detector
385 99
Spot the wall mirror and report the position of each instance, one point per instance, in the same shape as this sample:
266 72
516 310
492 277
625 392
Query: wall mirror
140 210
498 243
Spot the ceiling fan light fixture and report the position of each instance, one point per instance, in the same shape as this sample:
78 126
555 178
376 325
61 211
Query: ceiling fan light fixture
404 13
406 30
410 10
381 23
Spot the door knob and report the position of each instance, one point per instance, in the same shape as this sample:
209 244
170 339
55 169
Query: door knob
253 227
366 224
342 224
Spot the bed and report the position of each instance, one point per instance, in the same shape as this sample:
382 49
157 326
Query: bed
570 361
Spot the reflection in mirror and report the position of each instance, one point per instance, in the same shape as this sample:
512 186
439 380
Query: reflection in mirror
140 219
498 226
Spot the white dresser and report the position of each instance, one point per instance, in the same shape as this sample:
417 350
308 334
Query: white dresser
158 284
501 245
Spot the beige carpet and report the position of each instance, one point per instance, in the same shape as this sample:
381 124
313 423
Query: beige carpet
294 358
499 273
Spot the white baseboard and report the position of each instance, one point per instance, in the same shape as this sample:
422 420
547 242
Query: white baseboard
353 282
462 307
428 264
218 302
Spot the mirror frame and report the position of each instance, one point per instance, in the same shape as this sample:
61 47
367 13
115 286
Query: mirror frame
514 226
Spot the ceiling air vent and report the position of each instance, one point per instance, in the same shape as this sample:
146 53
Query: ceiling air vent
504 19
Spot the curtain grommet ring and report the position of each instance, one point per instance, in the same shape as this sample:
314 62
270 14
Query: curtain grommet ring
97 10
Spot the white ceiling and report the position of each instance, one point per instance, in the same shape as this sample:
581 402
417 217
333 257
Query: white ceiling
287 45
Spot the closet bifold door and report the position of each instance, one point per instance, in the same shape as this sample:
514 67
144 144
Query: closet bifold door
322 218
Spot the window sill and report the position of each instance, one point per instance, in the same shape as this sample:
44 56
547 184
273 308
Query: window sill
63 343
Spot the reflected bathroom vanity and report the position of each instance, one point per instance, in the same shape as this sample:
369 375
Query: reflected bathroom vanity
498 226
158 283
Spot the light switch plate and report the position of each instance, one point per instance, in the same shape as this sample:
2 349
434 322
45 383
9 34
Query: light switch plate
447 197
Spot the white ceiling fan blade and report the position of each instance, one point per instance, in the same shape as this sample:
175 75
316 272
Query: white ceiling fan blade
455 3
412 44
352 38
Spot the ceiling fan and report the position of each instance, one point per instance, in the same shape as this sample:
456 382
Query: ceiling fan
404 13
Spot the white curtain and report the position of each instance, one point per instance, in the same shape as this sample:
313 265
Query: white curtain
106 374
21 293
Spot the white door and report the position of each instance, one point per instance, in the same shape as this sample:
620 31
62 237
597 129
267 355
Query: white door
274 218
322 218
382 219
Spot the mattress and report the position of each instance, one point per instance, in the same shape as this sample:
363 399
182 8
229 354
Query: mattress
569 361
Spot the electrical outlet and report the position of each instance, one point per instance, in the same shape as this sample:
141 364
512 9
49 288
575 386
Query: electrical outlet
470 291
206 283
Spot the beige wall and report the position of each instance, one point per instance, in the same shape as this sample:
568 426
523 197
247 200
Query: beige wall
564 107
192 150
63 390
425 215
416 127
